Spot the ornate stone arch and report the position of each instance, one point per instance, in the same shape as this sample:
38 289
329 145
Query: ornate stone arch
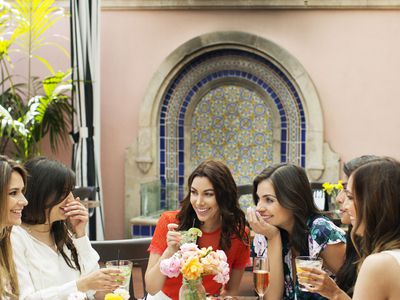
170 95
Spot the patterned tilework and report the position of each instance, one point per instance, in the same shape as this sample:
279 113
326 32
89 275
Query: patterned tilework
232 92
233 124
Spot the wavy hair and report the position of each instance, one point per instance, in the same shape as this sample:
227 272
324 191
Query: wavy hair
376 191
293 192
7 268
49 183
233 218
347 274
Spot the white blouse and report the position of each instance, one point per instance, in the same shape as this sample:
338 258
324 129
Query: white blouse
43 273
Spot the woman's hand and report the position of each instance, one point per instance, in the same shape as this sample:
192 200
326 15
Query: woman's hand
258 225
102 280
318 281
77 215
173 238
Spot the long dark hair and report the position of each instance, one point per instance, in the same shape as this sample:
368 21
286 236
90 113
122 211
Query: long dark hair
347 274
233 218
376 191
7 268
49 183
293 192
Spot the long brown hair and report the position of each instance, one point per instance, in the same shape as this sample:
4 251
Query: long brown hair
49 182
233 218
376 191
293 192
7 268
347 274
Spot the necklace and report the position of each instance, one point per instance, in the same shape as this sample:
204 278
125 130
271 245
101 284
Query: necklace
32 228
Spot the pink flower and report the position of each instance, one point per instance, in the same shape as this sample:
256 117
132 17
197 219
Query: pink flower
171 266
223 273
222 255
194 263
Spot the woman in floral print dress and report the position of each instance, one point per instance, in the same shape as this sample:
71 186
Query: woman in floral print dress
287 216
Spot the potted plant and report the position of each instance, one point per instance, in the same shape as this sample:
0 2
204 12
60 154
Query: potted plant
31 109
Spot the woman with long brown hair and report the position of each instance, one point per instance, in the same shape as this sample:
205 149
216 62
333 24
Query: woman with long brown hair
373 204
212 206
374 190
287 216
52 253
12 201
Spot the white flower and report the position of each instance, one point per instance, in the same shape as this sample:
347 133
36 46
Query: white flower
77 296
122 292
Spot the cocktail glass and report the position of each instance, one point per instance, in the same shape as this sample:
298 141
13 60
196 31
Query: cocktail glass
260 275
125 266
309 262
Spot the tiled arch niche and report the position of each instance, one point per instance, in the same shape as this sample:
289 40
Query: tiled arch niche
230 96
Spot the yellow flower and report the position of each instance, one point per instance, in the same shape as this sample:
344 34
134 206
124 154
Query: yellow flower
328 187
332 188
192 268
339 185
111 296
4 44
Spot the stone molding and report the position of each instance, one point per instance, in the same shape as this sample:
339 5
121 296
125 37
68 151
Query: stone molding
149 112
249 4
141 159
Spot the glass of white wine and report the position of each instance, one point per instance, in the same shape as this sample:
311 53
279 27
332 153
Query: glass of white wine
260 275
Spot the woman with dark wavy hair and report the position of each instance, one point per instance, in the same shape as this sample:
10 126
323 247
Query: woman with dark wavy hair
343 286
211 205
12 202
374 207
287 216
52 253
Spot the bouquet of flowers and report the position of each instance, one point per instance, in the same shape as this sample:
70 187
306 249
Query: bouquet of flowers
333 189
194 263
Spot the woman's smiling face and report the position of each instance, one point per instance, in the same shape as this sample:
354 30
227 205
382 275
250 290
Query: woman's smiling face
204 201
350 207
270 209
15 200
341 199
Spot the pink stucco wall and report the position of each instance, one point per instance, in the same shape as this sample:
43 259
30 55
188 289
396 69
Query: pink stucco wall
353 57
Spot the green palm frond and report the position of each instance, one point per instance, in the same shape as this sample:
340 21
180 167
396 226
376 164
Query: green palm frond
52 113
10 127
35 18
23 28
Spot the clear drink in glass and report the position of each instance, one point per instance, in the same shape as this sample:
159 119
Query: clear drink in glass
309 262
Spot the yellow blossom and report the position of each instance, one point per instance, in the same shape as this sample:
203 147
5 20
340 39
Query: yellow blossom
192 268
4 44
327 187
111 296
332 188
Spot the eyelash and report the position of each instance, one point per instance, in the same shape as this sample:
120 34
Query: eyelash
207 194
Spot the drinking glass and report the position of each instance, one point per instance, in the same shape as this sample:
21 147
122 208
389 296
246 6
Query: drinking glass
309 262
260 275
125 266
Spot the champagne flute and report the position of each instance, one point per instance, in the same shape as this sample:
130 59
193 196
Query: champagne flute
260 275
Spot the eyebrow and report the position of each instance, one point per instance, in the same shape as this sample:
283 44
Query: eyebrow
208 190
268 195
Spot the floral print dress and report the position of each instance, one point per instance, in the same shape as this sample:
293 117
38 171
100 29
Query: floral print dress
322 233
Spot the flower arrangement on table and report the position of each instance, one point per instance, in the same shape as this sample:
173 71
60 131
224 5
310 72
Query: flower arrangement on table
333 189
194 263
